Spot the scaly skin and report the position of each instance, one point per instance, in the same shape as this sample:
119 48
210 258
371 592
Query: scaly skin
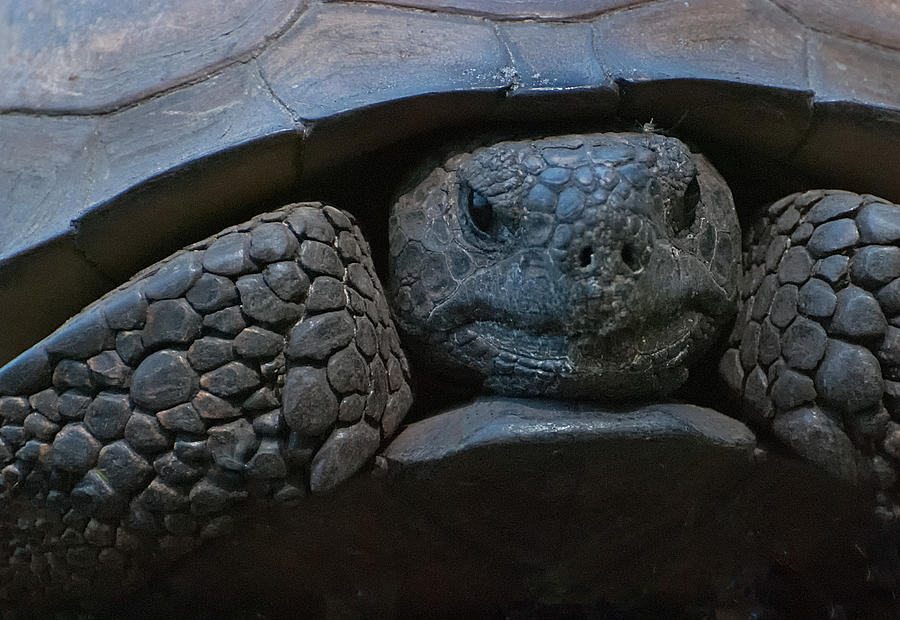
597 266
815 352
251 368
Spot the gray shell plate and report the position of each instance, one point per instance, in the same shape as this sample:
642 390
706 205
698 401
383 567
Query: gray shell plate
174 118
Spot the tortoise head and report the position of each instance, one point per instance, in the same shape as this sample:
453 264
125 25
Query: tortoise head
596 266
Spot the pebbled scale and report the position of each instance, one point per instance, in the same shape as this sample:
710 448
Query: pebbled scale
556 267
815 352
258 365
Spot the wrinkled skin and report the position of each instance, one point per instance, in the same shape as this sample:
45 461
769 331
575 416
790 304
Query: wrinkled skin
596 266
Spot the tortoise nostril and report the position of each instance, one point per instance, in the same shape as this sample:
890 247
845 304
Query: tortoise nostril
630 257
586 256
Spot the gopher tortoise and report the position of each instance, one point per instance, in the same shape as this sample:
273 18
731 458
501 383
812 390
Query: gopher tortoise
554 194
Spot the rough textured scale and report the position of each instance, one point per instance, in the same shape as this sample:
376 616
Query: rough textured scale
815 352
242 372
596 266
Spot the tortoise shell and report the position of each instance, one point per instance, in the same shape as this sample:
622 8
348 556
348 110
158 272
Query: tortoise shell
132 131
114 119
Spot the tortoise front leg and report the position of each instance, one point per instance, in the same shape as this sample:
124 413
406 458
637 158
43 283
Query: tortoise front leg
259 364
815 352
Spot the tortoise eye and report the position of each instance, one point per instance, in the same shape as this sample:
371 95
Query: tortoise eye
683 218
479 209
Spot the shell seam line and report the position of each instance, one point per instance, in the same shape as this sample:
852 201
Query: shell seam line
806 64
214 70
830 33
514 79
610 79
191 79
586 17
298 123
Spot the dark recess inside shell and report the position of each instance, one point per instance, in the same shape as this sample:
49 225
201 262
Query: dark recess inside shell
344 159
352 177
367 184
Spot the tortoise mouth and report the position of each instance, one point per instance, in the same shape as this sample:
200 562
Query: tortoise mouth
519 361
533 348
